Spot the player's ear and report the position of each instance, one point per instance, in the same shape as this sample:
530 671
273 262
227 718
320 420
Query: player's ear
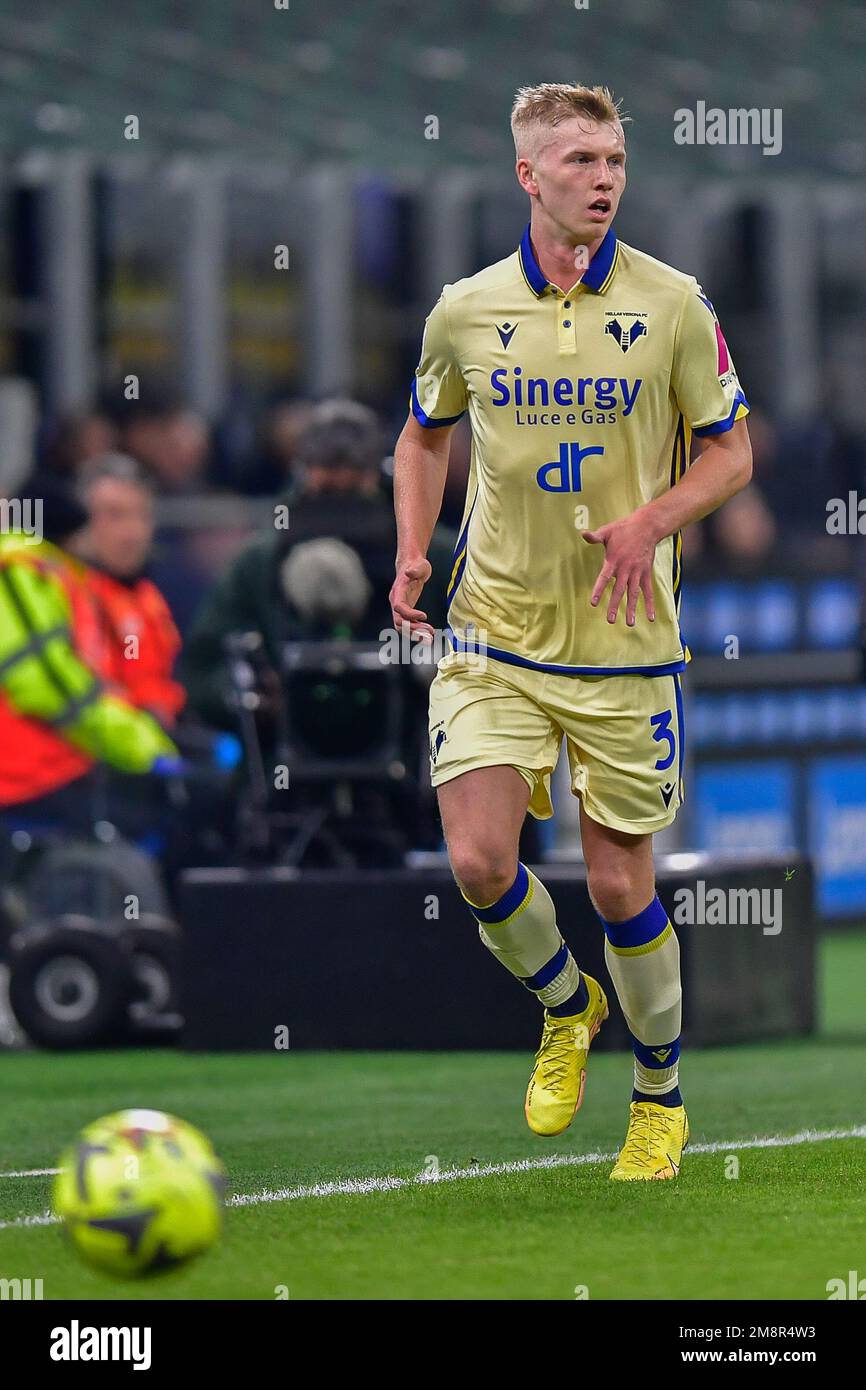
525 175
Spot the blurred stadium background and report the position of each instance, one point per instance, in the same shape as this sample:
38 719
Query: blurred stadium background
213 219
222 225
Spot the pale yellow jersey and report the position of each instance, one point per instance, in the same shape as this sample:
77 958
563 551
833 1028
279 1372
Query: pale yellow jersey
582 405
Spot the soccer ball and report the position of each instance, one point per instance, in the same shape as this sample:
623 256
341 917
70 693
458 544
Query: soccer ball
140 1191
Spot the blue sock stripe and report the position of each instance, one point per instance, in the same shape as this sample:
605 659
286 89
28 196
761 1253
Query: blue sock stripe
548 972
637 931
576 1003
508 903
669 1099
646 1055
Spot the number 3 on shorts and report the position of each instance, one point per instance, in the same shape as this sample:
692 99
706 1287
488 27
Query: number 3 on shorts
663 733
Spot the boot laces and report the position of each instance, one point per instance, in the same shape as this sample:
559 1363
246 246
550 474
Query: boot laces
558 1045
647 1135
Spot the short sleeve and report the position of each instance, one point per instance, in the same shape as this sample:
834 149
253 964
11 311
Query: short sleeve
704 379
438 391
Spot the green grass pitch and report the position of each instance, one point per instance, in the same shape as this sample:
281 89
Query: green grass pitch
791 1220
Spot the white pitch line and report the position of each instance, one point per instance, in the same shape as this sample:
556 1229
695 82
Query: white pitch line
362 1186
45 1219
32 1173
350 1187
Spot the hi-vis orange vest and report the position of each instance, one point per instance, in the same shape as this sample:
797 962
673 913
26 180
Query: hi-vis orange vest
60 708
143 643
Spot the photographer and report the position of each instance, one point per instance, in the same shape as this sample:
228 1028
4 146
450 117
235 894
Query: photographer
336 496
325 575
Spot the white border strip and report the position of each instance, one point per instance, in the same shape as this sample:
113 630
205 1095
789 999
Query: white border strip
361 1187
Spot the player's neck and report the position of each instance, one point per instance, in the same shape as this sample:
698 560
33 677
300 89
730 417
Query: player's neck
557 254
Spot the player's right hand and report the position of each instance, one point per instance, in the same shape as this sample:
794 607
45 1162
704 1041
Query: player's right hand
412 575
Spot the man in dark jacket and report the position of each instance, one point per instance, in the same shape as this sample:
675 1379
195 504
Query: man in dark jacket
324 573
338 496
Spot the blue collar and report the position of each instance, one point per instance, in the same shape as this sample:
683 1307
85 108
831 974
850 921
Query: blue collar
596 277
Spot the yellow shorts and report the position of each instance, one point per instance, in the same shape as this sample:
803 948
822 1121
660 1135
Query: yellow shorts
624 736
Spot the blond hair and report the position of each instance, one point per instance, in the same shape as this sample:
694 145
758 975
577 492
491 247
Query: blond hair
549 103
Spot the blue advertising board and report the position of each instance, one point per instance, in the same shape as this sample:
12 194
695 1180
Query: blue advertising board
837 833
745 805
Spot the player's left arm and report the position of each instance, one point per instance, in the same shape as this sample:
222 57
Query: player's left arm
722 469
705 385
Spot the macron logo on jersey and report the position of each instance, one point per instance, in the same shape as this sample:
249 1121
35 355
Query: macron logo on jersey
506 332
603 392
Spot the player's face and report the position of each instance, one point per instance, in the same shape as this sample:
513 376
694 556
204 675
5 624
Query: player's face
578 177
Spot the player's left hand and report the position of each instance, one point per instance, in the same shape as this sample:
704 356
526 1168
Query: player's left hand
629 551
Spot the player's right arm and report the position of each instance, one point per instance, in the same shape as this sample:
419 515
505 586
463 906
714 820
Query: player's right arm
420 469
421 463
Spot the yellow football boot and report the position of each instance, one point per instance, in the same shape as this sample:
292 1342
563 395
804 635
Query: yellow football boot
555 1091
653 1148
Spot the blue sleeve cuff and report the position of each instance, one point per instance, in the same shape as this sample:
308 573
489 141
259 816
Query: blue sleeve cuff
722 426
430 422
